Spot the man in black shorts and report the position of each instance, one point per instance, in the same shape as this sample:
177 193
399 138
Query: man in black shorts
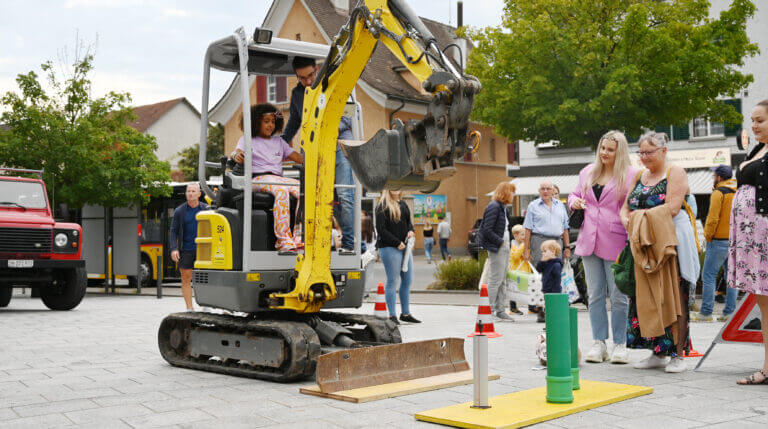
183 234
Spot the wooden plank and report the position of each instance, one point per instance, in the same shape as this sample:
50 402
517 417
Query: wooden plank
400 388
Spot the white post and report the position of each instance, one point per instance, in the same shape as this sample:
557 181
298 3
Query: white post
480 371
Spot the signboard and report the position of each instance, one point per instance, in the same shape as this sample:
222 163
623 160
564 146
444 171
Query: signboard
697 158
742 327
430 208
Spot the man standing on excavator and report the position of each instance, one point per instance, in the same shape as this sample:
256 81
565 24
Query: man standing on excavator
306 70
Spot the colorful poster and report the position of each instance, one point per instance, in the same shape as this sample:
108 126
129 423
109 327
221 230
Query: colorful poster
430 208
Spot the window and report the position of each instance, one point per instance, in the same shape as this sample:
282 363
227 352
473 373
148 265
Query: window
703 127
271 89
513 152
492 147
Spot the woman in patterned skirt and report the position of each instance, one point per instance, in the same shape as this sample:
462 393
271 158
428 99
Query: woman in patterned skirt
663 183
748 246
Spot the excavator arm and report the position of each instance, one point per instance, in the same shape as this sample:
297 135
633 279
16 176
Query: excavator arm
415 155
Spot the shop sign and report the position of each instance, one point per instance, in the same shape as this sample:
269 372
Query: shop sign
697 158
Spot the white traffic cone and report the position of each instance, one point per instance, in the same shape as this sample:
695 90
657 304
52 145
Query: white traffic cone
380 308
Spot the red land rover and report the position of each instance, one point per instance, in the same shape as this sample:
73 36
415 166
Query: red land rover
36 251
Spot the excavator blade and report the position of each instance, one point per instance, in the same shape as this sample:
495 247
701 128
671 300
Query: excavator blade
370 366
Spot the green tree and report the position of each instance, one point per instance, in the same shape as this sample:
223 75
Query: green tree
89 153
190 156
569 70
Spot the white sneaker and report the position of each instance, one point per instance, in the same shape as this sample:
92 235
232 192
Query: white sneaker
620 354
651 361
677 364
598 353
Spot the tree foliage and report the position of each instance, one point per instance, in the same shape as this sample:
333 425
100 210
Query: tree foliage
189 157
569 70
89 153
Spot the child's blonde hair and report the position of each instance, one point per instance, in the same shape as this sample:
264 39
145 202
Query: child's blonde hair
517 228
552 245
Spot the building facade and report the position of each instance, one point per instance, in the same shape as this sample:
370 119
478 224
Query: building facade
175 124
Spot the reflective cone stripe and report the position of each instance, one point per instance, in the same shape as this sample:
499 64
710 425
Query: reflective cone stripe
484 316
380 307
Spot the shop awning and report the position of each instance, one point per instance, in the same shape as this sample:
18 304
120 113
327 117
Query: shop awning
700 180
530 185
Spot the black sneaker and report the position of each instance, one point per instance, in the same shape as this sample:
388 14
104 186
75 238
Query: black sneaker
345 251
408 318
394 319
541 318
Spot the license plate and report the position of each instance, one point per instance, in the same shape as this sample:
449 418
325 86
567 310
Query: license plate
20 263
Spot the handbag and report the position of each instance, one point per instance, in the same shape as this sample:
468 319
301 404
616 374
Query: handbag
576 218
624 272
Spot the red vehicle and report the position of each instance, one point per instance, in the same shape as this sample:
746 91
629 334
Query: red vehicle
36 251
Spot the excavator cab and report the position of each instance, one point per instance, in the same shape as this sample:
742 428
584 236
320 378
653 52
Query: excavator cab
222 270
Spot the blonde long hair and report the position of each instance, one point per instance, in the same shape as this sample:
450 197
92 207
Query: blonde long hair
390 204
620 164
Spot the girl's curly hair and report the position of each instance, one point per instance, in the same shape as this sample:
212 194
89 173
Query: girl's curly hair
257 113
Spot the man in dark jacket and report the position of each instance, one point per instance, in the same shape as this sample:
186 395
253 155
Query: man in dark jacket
183 234
306 70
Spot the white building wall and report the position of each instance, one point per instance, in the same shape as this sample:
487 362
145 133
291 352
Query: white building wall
177 129
757 65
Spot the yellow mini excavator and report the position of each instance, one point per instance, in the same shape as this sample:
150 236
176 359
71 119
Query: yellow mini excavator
279 331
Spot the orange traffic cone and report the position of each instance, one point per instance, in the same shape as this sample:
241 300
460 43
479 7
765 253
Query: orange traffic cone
484 316
380 308
693 352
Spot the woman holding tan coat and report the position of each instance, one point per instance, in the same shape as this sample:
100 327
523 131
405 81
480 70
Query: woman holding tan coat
662 184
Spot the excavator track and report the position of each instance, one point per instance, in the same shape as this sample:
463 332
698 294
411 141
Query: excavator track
272 346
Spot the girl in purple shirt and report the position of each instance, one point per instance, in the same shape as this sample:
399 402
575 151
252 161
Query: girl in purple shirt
269 151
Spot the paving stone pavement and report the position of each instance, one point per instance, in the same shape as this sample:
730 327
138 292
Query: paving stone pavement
98 367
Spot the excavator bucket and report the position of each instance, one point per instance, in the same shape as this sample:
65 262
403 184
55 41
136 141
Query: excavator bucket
384 162
419 154
370 366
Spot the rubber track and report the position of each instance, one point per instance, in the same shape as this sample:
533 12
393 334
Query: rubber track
301 342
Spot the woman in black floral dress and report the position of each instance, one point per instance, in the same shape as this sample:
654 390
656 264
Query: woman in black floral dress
660 184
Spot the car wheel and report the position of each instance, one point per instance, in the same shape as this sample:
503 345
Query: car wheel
67 291
5 296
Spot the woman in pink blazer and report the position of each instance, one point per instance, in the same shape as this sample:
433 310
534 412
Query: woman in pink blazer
603 187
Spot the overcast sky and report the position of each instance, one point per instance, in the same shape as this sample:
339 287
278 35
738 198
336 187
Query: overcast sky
154 49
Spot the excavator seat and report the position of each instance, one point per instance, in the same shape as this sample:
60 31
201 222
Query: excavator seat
230 197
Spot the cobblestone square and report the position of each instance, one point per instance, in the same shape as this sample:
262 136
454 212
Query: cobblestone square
98 367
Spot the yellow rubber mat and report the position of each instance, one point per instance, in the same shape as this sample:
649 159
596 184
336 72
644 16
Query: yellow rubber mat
528 407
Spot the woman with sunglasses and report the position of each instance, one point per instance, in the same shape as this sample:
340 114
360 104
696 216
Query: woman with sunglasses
661 184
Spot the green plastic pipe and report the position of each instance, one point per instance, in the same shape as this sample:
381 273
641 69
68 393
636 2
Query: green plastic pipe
574 313
559 378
